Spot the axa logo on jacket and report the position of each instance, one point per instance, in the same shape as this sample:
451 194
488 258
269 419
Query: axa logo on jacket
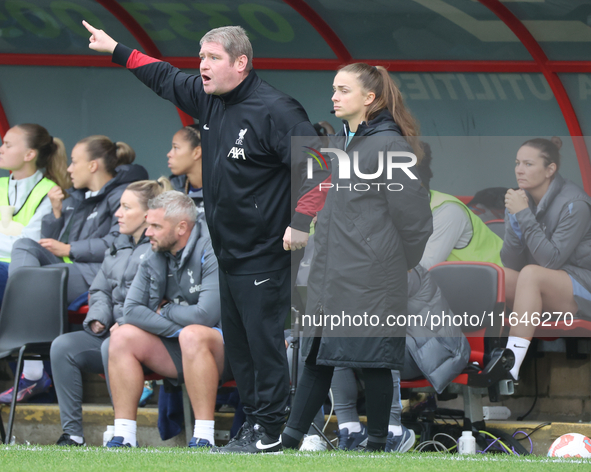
238 152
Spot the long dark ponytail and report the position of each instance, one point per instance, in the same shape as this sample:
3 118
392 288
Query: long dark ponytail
377 80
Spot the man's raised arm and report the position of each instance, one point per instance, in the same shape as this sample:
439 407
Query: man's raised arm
168 82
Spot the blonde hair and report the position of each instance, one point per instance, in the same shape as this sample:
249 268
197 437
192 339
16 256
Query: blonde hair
146 190
377 80
51 153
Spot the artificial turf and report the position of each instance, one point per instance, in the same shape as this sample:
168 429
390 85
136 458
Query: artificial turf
50 458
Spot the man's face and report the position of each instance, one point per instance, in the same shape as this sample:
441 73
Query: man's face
219 74
162 232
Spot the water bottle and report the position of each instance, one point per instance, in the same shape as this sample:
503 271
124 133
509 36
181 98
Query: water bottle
467 443
108 434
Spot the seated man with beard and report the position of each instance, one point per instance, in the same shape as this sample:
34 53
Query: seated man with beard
171 323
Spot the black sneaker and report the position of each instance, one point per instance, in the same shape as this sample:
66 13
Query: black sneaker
65 440
254 441
243 434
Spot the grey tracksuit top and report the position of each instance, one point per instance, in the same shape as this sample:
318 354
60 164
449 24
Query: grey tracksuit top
110 286
195 274
555 234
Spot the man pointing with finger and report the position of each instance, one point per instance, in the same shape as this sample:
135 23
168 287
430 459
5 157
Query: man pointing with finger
247 127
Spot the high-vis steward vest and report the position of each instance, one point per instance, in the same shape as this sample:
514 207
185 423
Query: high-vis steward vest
485 246
34 199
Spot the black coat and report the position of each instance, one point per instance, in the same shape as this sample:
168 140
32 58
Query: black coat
365 242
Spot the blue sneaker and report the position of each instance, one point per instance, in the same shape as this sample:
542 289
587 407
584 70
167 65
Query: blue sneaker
198 442
27 389
402 443
348 442
117 441
147 393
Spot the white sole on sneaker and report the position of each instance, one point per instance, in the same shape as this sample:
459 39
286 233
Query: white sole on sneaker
409 443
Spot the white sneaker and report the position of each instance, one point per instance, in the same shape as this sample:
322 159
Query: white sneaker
313 442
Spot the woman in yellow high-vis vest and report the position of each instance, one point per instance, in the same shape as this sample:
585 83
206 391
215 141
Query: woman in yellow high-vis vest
37 162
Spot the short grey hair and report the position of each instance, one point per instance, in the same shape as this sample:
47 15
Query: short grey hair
234 41
176 205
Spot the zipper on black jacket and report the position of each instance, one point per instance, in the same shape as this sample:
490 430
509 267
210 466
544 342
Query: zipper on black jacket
215 172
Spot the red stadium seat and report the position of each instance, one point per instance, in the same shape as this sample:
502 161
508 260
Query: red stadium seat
77 317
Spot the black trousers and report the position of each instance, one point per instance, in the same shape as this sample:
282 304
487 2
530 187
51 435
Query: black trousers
313 388
254 308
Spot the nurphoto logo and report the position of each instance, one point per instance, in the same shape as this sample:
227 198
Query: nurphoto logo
389 161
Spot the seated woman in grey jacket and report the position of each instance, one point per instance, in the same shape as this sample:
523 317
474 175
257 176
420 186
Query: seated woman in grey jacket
547 246
79 228
80 351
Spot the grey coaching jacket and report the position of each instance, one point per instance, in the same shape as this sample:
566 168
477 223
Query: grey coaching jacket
197 277
555 234
110 286
89 224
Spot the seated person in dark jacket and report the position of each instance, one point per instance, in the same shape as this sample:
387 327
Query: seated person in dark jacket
80 351
184 161
82 226
171 321
489 203
78 230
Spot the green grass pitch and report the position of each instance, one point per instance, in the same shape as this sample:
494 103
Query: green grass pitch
53 458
